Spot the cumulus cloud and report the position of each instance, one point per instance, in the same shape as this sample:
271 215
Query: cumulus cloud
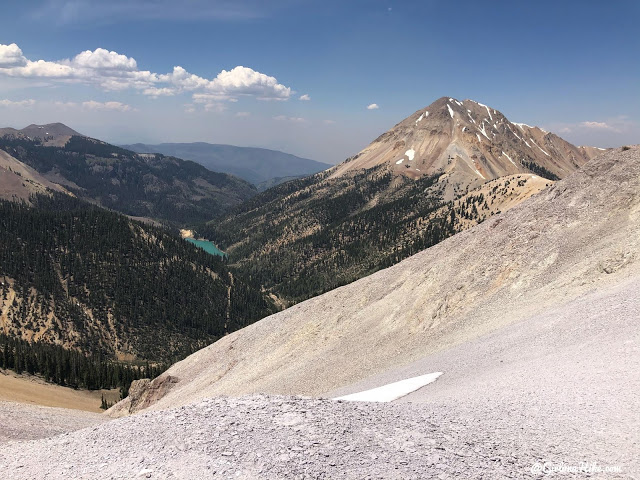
243 114
305 97
19 103
373 106
110 70
246 81
11 56
103 59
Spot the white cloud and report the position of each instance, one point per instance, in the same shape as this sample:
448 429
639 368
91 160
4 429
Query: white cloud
305 97
329 122
110 70
373 106
246 81
104 59
11 56
185 80
156 92
118 106
19 103
243 114
597 125
284 118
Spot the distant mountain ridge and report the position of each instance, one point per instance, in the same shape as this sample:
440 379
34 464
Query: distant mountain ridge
256 165
51 134
155 186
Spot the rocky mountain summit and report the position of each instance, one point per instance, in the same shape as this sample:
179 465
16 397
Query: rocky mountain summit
467 143
51 134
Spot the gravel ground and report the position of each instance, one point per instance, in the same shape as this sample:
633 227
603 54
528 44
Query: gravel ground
19 421
560 390
270 437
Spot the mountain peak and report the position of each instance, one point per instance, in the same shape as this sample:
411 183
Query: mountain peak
466 143
51 134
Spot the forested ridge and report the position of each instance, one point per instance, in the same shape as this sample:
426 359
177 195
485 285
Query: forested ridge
92 280
155 186
308 236
70 368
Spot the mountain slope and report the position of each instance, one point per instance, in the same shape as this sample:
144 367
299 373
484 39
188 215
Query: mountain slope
580 235
155 186
18 182
91 280
256 165
395 198
51 134
466 143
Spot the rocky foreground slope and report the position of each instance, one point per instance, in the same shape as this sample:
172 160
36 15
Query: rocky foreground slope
579 235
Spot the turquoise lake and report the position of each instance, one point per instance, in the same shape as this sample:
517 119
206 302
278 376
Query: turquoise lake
206 246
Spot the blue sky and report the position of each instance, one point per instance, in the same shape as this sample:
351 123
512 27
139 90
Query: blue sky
107 69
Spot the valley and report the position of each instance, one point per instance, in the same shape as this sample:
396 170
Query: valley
34 391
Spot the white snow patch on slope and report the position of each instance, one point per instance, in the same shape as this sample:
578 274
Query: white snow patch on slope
464 128
522 125
399 161
392 391
410 154
539 147
479 139
450 111
514 163
484 132
515 134
488 111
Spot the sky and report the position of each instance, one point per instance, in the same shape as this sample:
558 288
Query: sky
319 79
